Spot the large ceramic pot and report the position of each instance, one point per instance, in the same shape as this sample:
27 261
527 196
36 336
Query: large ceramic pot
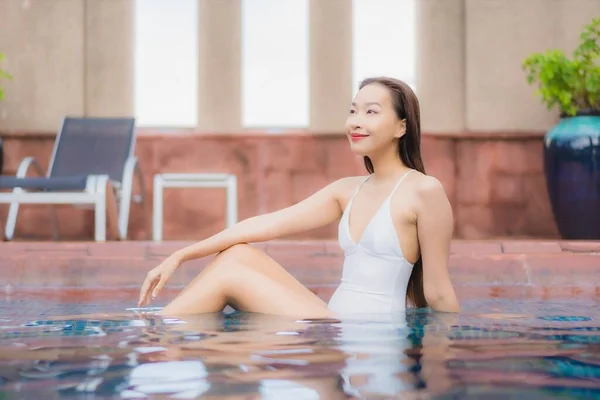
572 168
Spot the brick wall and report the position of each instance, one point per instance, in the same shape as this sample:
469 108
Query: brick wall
495 182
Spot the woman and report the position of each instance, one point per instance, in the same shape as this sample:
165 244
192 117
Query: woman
395 228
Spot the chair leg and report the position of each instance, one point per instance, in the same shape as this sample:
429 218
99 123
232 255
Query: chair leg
2 233
157 212
232 201
100 220
124 208
11 221
146 212
147 219
105 204
112 210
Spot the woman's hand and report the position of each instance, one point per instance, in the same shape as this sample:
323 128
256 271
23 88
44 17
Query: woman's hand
156 279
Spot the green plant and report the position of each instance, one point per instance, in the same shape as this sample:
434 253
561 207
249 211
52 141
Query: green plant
571 84
3 74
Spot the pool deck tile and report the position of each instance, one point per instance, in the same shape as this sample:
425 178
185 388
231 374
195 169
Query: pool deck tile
520 247
499 262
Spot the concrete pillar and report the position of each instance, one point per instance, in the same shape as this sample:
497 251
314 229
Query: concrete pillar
109 60
44 45
441 65
330 64
220 65
500 35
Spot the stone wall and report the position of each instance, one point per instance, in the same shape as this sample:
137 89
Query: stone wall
495 182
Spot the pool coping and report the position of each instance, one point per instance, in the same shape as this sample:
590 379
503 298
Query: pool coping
536 263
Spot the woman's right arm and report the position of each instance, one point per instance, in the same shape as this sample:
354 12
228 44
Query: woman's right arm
319 209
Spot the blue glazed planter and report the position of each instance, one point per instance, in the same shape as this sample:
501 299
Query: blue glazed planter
572 168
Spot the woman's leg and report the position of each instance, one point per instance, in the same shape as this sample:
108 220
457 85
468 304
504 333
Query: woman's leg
248 280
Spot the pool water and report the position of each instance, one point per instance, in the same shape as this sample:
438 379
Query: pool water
55 347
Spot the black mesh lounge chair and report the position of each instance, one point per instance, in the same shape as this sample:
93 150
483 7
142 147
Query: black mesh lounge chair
91 156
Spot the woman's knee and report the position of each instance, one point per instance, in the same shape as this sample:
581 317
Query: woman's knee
237 252
231 259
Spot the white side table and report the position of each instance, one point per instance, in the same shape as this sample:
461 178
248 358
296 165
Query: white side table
192 180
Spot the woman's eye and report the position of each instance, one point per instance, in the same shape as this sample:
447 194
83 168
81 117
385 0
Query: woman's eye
371 112
352 111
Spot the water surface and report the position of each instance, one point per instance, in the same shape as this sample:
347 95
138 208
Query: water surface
58 345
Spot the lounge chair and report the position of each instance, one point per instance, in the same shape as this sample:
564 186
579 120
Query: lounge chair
92 164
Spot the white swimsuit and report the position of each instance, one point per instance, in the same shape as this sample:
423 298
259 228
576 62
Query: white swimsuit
375 273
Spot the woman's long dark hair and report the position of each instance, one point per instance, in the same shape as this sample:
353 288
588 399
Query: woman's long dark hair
406 105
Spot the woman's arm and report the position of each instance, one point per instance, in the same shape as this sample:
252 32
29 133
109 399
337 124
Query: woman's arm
435 224
318 210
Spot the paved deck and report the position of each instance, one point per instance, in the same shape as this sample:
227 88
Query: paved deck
505 262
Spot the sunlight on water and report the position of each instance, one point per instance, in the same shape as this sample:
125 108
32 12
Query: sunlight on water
493 349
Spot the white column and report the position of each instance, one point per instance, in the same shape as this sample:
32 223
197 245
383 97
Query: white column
220 65
109 58
441 64
330 64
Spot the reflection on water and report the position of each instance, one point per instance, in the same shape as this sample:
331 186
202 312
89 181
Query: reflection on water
493 349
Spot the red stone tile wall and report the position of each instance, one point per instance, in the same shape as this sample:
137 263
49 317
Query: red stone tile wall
495 182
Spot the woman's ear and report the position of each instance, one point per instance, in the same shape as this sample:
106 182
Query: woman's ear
400 128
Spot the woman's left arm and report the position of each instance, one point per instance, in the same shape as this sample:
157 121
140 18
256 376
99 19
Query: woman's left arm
435 224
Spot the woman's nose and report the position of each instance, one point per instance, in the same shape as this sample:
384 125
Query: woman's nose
354 122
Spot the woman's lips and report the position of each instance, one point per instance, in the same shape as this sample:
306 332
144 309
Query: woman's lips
357 136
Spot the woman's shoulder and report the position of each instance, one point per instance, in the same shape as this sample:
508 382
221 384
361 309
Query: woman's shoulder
426 185
349 181
344 187
429 190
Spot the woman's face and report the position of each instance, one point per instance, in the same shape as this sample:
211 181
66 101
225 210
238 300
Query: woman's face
372 123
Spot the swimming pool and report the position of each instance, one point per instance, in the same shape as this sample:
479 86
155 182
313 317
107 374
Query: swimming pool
82 343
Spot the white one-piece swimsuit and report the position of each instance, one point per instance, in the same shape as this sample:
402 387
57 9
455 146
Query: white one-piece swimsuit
375 273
